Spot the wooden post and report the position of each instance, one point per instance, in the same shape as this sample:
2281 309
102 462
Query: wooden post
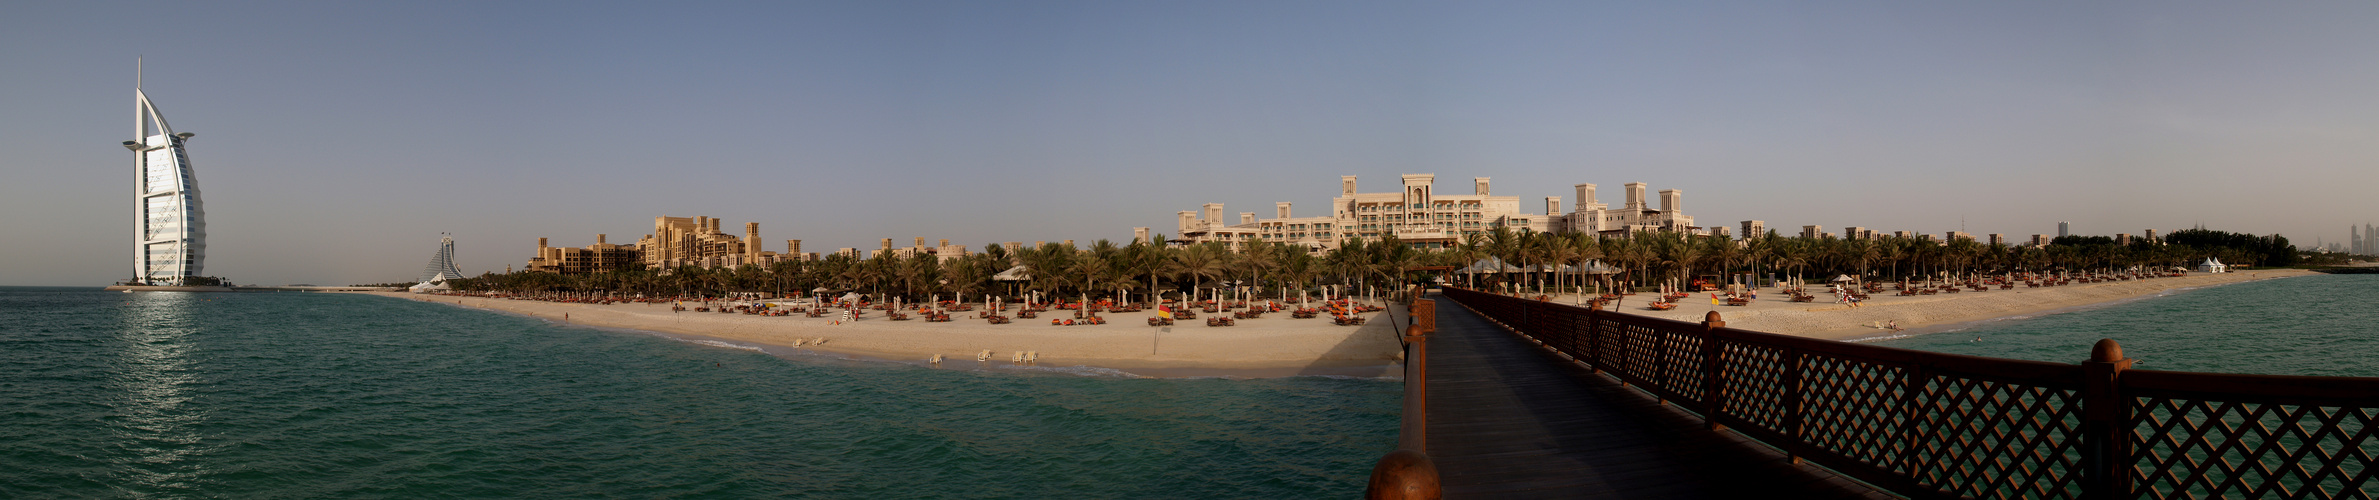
1407 473
1404 474
1594 337
2106 415
1713 371
1416 374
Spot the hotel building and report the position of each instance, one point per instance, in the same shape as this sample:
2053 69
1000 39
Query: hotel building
680 241
170 246
1419 215
599 257
675 242
942 252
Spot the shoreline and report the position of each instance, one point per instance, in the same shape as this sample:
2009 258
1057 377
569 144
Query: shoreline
1267 347
1276 346
1930 314
1948 327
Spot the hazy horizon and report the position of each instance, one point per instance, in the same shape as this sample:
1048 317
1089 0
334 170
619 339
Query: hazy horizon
336 141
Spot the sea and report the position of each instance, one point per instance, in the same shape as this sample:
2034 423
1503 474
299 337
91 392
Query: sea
312 395
2319 324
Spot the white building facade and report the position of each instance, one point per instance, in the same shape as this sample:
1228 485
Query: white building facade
169 246
1419 215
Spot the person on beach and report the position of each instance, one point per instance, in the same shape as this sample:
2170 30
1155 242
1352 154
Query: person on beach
1894 326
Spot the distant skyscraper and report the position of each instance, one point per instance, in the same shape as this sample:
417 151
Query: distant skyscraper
170 246
2064 229
442 266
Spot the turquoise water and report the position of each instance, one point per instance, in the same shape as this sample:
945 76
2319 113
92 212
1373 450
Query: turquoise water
2311 325
262 395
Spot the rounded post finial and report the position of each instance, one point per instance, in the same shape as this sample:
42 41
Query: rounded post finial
2106 351
1712 317
1404 474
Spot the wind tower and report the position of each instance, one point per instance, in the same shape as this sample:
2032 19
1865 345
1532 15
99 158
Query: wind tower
169 247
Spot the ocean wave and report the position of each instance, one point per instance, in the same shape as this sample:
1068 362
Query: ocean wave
729 345
1399 376
1086 371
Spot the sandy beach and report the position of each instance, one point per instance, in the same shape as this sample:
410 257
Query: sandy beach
1920 314
1271 346
1277 345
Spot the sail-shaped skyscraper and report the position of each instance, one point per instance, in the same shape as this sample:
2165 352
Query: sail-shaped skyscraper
170 247
442 266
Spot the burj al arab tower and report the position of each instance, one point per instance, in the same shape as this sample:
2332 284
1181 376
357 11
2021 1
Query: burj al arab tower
172 241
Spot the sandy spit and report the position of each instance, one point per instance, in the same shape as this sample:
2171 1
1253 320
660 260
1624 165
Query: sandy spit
1272 346
1925 313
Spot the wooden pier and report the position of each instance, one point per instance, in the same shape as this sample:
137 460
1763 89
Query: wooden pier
1510 419
1513 398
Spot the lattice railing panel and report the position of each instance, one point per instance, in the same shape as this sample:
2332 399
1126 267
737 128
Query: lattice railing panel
1638 351
1681 370
1987 439
1855 409
1609 347
2209 449
1754 384
1576 334
1929 424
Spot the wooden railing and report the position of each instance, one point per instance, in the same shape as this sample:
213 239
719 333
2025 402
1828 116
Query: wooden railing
1408 473
1934 425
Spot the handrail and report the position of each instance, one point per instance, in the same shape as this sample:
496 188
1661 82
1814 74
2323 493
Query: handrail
1408 473
1936 425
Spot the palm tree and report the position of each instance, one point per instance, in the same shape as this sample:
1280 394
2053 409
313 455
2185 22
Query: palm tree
1299 269
1792 254
1199 262
1467 251
1892 250
1728 253
1863 253
1394 261
1675 249
1558 251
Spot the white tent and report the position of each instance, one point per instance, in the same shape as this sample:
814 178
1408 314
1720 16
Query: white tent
1489 265
436 283
1018 273
1495 265
2212 265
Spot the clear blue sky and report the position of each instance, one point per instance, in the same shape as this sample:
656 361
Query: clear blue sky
337 139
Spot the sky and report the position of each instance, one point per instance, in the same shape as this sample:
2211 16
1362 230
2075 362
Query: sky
336 141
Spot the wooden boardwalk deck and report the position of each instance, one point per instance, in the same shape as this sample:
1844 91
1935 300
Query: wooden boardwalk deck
1509 419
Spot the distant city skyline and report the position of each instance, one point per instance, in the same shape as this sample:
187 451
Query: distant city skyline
341 140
